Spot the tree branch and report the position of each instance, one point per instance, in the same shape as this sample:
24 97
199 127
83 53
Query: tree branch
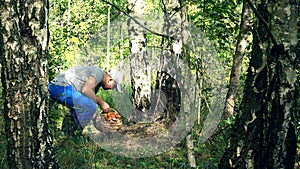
136 21
263 21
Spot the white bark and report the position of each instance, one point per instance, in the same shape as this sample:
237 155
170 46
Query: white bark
140 68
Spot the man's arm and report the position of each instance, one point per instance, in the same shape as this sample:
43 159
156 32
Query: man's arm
88 90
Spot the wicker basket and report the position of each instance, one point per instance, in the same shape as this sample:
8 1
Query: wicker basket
108 122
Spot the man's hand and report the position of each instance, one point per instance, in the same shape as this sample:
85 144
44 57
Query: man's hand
105 107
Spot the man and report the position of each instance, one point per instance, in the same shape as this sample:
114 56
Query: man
76 88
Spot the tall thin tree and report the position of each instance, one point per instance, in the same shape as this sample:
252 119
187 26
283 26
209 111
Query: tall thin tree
108 39
24 51
245 28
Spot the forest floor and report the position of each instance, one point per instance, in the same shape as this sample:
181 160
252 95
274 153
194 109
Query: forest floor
134 140
78 152
81 152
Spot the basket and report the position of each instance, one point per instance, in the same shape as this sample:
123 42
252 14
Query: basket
108 122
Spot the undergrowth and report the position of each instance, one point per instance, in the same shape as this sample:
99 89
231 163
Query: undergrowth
78 152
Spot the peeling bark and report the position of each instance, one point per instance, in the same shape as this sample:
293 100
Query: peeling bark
139 65
264 135
24 51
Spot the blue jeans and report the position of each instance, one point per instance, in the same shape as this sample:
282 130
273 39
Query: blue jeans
81 107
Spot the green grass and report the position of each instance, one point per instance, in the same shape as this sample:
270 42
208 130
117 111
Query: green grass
78 153
92 156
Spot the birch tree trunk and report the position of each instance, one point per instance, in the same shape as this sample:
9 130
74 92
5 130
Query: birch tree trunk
24 52
170 54
175 49
245 28
264 135
139 66
186 55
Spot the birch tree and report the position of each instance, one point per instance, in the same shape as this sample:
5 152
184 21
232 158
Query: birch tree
139 66
264 135
24 52
170 54
245 28
175 48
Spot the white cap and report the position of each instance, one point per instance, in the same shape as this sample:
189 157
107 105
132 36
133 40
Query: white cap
116 76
